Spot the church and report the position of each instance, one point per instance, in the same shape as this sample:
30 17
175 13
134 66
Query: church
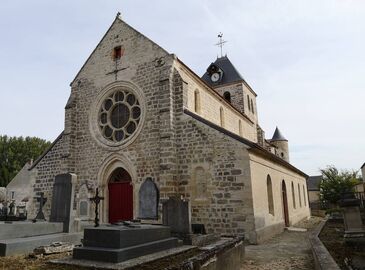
137 113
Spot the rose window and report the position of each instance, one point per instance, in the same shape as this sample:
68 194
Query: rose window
119 116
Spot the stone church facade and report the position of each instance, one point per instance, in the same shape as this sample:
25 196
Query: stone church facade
137 112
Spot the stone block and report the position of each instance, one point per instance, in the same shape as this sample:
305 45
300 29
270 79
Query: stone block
17 246
18 229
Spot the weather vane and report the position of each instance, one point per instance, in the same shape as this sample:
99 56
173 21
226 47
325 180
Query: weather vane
221 42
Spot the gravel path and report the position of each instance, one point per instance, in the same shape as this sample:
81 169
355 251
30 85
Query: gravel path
288 251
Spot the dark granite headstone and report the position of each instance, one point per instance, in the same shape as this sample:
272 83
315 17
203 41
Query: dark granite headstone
62 198
176 215
149 196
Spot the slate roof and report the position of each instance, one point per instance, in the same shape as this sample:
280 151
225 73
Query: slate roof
313 182
278 136
230 73
362 166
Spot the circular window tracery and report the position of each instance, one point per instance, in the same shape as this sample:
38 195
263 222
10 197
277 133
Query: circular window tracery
119 116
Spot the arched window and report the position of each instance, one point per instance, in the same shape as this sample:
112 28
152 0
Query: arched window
300 197
252 109
200 183
227 96
293 194
240 128
305 200
221 116
248 103
270 198
197 101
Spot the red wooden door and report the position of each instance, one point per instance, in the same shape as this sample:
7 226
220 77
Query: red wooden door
120 201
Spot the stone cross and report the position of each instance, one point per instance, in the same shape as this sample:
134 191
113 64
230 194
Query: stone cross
42 200
12 208
97 199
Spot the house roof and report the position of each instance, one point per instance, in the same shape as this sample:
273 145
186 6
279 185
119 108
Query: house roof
362 166
278 136
313 182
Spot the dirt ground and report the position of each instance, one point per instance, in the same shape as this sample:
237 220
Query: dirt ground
332 238
287 251
27 263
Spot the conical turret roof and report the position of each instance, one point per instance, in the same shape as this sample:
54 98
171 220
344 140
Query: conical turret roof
278 136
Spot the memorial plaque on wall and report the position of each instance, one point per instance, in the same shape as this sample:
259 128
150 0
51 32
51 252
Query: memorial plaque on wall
148 200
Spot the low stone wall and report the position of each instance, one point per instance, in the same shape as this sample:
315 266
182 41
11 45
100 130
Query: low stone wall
322 258
226 254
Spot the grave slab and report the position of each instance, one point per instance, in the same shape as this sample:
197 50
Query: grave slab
18 229
17 246
117 243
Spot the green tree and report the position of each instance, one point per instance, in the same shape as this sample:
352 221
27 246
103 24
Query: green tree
335 182
15 152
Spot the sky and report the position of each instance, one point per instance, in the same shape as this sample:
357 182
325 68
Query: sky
304 58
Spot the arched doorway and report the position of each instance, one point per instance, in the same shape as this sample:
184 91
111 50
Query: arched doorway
285 203
120 196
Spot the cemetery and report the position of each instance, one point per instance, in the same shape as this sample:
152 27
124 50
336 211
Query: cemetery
125 244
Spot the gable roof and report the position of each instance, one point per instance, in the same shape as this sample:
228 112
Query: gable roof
362 166
254 147
117 19
313 182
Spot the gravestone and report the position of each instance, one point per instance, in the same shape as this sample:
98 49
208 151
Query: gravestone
354 227
149 196
40 215
12 208
177 215
62 201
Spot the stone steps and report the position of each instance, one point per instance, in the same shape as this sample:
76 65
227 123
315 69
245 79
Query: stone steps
26 245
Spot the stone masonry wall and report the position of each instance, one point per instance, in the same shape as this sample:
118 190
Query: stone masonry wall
227 207
210 104
46 170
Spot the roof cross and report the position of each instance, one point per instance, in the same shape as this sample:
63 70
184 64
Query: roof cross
221 42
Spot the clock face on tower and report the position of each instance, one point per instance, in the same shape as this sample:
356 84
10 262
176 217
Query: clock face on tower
215 77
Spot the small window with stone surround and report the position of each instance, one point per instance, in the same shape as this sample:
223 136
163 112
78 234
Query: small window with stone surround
248 103
270 197
300 196
293 194
240 128
197 101
200 183
117 53
252 109
221 116
227 96
305 200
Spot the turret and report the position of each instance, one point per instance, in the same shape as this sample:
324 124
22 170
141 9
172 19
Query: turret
281 144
